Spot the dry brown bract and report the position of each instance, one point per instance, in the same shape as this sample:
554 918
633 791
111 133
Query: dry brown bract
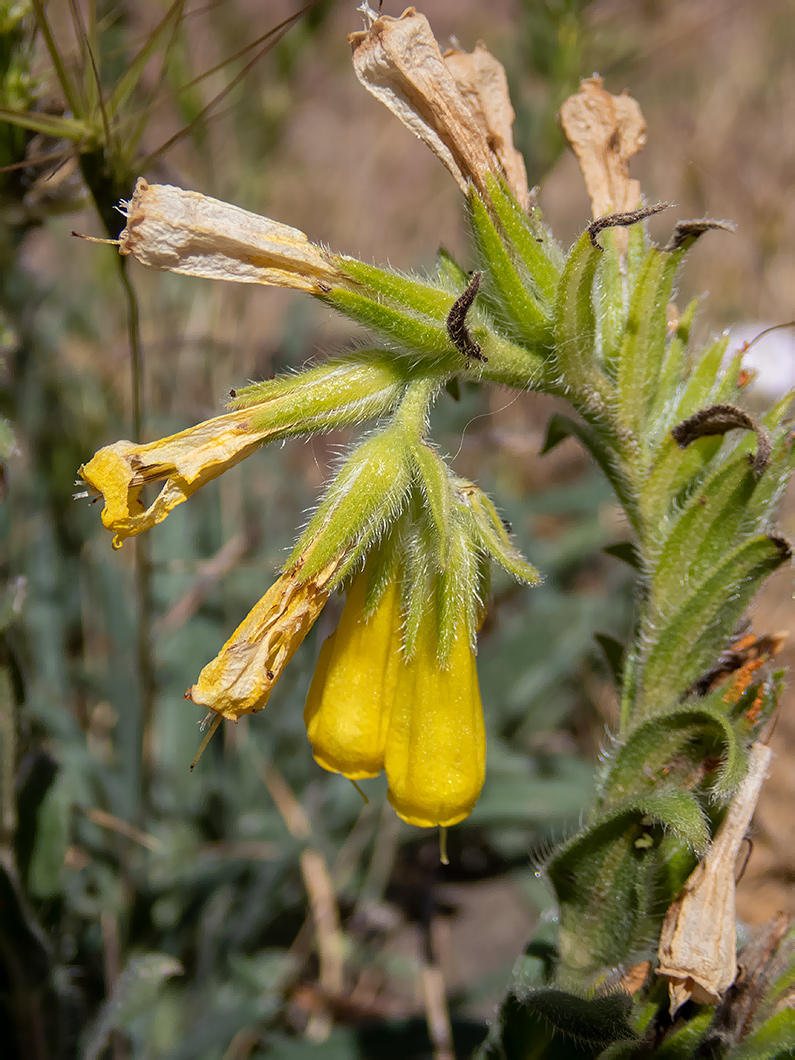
605 131
698 941
457 103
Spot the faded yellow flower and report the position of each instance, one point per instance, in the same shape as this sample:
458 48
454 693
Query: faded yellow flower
370 708
184 461
239 680
330 395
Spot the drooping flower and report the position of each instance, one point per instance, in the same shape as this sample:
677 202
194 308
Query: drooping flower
350 698
372 706
396 685
239 680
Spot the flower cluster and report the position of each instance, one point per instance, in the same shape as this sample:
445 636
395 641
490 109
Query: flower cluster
396 687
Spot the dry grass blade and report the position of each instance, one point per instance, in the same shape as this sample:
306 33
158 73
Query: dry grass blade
273 36
321 896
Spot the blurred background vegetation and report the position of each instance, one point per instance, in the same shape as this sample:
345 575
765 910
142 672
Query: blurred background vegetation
257 906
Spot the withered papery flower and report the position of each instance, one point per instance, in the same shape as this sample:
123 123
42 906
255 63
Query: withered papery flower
457 103
239 680
605 131
698 942
185 231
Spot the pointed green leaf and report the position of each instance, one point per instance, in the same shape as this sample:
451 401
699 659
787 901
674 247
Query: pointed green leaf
651 751
575 320
702 620
494 539
404 291
673 368
773 1041
434 483
683 1042
347 390
68 87
72 129
614 655
702 380
131 78
636 251
369 491
704 530
568 1025
773 484
673 470
511 295
450 271
641 356
679 812
627 552
532 242
561 427
611 298
45 876
727 389
413 333
608 880
134 993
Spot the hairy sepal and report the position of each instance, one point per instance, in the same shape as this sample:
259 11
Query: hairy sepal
513 297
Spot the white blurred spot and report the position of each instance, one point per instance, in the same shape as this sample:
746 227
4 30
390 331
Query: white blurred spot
772 356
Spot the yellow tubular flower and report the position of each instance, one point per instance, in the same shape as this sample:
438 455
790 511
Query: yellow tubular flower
348 705
435 755
370 708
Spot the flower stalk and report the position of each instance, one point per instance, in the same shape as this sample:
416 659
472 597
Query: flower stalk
698 478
